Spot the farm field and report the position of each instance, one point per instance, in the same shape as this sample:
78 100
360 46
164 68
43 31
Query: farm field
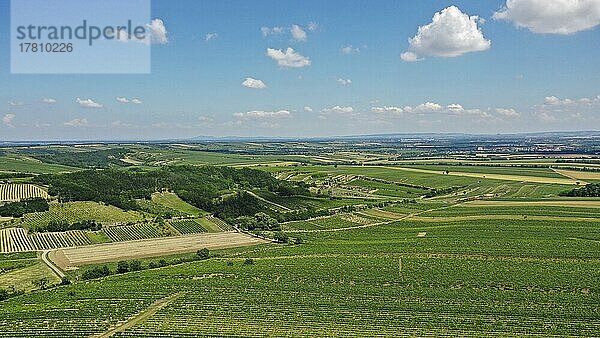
17 192
173 202
72 257
369 251
80 211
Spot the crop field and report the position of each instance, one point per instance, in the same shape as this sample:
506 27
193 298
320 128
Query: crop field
18 240
22 164
188 226
131 232
17 192
80 211
71 257
397 250
173 202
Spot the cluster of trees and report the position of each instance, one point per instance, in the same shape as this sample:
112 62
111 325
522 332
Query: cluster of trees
104 158
590 190
260 221
62 225
18 209
6 294
136 265
199 186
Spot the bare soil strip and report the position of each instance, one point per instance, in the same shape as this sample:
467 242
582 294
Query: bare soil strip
142 316
556 203
69 258
579 175
517 178
502 217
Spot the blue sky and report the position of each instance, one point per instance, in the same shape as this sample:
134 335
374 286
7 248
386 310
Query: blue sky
513 73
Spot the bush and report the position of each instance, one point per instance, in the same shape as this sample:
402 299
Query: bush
249 261
203 254
280 237
135 266
122 267
96 272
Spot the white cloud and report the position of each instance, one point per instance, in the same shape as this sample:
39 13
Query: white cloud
410 57
551 16
88 103
298 33
508 112
254 83
388 110
48 100
339 110
290 58
157 32
7 119
76 123
451 33
15 104
312 26
126 100
266 31
260 114
344 82
349 50
210 36
308 109
554 109
454 109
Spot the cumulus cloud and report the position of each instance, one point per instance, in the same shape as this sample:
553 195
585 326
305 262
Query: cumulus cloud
551 16
388 110
454 109
308 109
344 82
7 119
157 32
88 103
410 57
48 100
261 114
76 123
15 104
288 58
554 109
136 101
266 31
254 83
210 36
298 33
451 33
339 110
508 112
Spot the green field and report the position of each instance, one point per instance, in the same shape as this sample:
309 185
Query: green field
372 251
80 211
173 202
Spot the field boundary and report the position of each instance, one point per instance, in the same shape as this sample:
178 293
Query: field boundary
141 316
